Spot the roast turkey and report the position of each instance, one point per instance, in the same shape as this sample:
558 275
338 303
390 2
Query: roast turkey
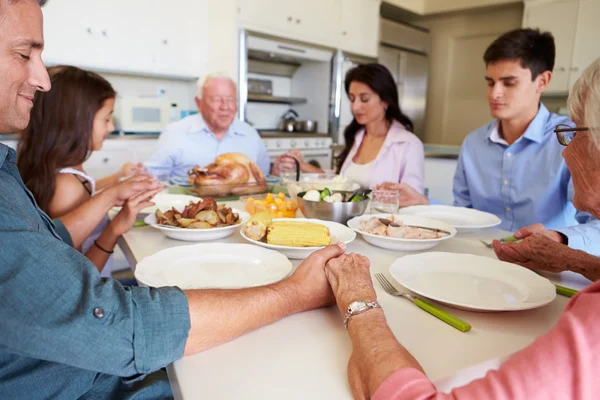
229 173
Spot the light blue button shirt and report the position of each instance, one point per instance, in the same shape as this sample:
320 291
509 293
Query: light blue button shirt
524 183
188 142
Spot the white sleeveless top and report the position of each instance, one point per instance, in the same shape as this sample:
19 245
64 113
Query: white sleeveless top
107 270
360 173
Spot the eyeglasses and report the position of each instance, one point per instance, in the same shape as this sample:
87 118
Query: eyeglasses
566 133
217 100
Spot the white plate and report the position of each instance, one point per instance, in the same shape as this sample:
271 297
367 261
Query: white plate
339 233
197 235
473 282
403 244
164 201
214 265
463 219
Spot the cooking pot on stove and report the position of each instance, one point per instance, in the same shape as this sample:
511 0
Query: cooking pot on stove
288 121
310 125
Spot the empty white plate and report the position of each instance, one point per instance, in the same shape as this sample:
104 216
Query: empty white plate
473 282
463 219
339 233
215 265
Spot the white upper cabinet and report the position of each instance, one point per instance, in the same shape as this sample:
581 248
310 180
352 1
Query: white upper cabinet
352 25
559 18
586 49
574 24
360 26
134 36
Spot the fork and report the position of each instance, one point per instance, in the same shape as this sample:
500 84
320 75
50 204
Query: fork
431 309
508 239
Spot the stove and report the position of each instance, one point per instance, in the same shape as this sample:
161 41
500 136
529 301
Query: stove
315 148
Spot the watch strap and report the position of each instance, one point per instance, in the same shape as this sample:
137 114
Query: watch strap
349 313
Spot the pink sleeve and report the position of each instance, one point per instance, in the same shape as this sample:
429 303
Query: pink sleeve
559 365
413 172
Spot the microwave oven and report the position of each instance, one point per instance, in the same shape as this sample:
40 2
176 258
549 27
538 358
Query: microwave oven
142 115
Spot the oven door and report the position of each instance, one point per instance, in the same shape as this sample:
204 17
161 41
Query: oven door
321 158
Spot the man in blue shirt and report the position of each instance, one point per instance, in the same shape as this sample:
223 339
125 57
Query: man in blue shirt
200 138
67 333
513 166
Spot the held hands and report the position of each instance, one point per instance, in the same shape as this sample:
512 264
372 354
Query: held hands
130 169
540 229
350 279
285 162
122 191
408 195
309 280
536 251
125 219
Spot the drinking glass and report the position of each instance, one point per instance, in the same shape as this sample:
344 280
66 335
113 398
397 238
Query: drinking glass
385 201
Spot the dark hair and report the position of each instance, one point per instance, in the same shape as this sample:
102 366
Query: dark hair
60 129
380 80
41 3
535 50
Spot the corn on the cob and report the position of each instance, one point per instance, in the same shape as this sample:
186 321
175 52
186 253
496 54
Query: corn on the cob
298 234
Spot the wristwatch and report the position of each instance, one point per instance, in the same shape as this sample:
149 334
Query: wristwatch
359 307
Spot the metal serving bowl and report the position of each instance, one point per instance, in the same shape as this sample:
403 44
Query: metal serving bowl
337 212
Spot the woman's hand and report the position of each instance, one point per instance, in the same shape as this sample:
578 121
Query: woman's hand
122 191
309 281
125 219
408 195
350 279
536 251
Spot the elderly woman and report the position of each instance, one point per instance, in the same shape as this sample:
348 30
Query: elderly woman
559 365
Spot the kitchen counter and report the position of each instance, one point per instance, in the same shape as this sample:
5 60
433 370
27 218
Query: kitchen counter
291 135
442 151
136 136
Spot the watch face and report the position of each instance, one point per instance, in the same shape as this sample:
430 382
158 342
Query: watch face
357 306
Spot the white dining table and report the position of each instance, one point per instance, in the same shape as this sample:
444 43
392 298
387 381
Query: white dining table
305 356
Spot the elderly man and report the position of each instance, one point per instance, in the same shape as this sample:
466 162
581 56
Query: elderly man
67 333
199 138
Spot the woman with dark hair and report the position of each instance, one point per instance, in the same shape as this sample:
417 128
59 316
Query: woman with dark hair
67 124
379 145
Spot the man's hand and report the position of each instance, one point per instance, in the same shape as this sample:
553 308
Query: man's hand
350 279
539 229
408 195
132 187
536 251
130 169
309 278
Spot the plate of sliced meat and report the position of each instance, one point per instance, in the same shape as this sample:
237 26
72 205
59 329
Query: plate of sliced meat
401 232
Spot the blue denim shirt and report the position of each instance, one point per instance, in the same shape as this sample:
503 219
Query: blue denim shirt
524 183
65 332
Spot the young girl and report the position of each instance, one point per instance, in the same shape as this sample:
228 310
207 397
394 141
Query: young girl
67 124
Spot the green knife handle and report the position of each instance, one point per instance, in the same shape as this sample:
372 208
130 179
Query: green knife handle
565 291
509 239
443 315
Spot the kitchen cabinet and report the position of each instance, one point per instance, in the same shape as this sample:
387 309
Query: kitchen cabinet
115 153
351 25
574 25
136 36
585 49
360 26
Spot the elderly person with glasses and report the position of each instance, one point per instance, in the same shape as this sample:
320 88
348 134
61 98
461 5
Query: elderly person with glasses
559 365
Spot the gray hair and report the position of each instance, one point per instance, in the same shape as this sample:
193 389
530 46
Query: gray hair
584 101
204 79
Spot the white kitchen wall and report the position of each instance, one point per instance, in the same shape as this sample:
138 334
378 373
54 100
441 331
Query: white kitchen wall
456 102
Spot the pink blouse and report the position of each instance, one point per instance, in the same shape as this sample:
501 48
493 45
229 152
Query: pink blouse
401 158
559 365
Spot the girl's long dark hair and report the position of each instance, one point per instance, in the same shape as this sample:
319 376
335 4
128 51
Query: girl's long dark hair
380 80
59 133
